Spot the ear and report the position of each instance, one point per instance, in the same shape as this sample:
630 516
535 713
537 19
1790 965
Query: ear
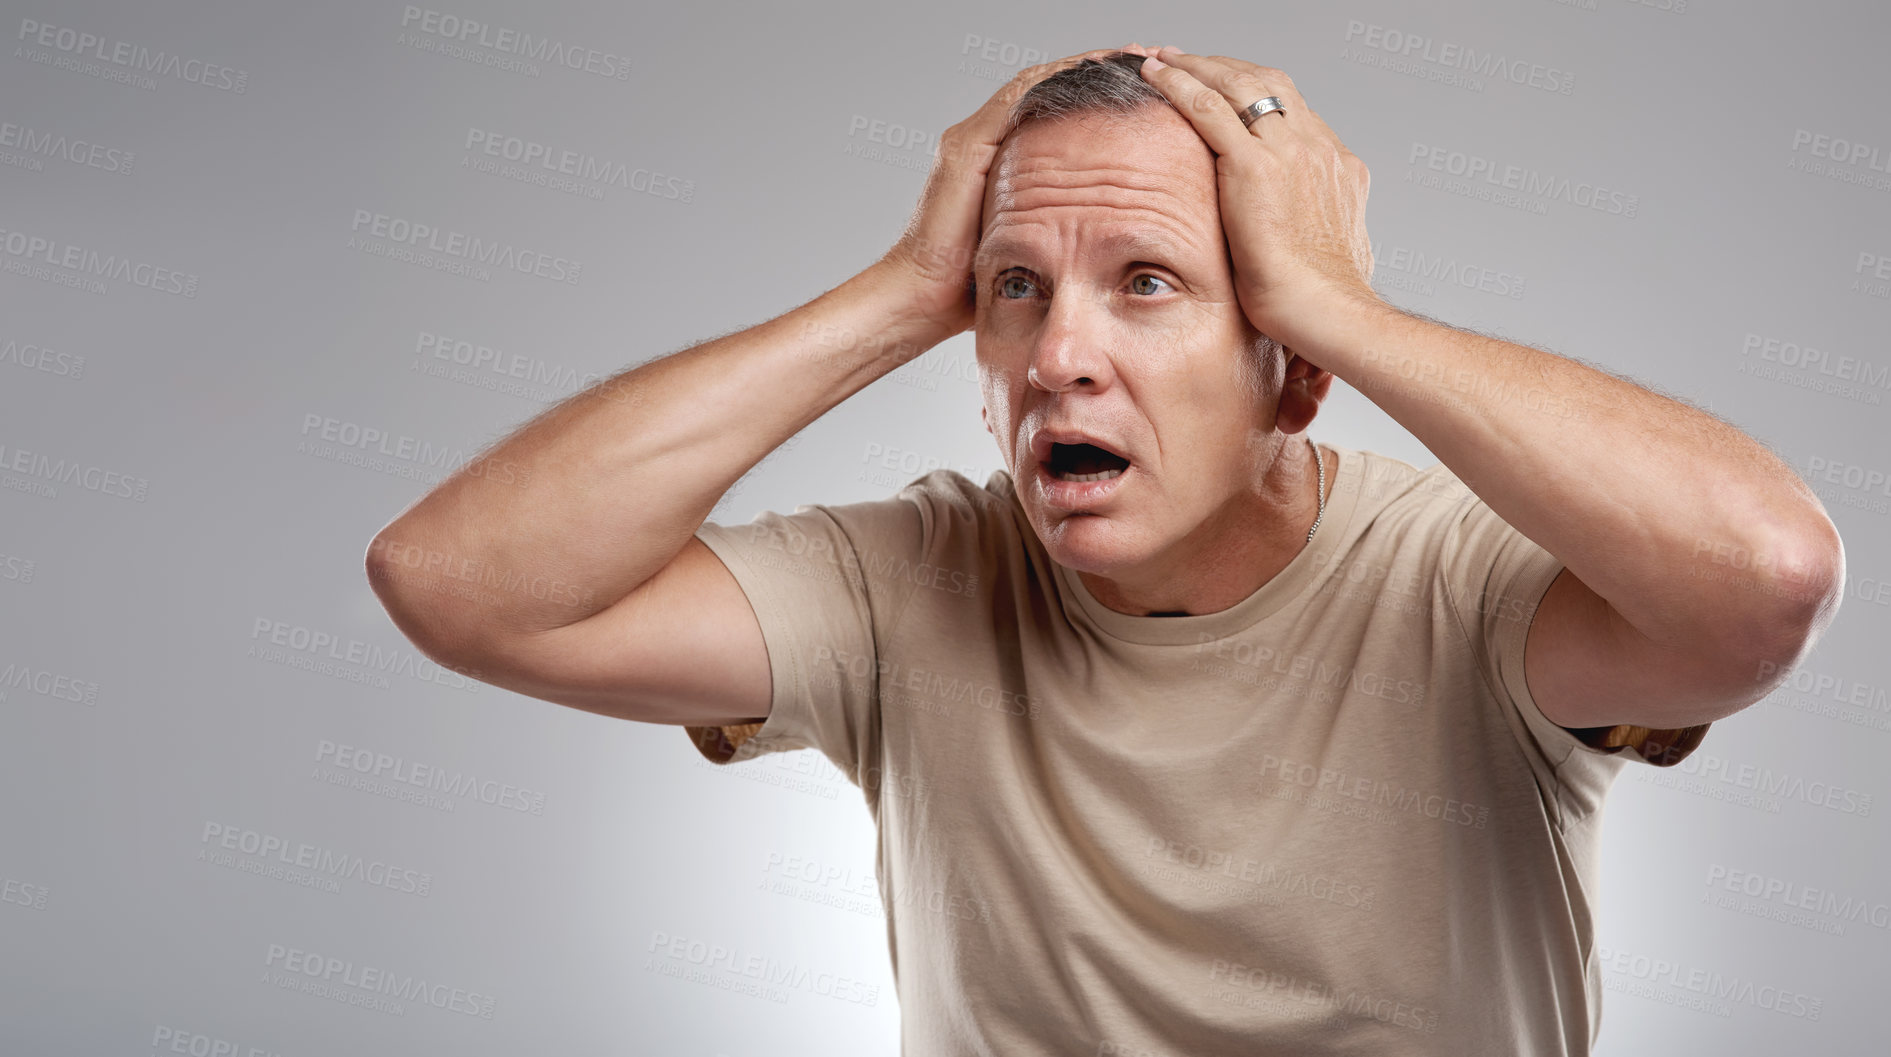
1301 392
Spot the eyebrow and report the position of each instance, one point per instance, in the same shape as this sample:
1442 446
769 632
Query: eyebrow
1139 244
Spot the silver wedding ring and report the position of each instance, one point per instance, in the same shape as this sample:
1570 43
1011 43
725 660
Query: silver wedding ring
1253 111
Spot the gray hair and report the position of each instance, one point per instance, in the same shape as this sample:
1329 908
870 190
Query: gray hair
1112 84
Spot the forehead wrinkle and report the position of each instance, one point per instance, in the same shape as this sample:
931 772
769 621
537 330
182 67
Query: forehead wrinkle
1052 170
1010 189
1037 184
1144 243
1159 239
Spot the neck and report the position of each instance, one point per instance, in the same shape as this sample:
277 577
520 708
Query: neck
1231 554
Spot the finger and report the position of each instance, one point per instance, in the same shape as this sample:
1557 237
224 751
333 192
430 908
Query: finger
1208 110
1297 114
1234 76
1241 88
965 150
971 141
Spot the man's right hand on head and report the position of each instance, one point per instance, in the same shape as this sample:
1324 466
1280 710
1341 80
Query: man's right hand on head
932 261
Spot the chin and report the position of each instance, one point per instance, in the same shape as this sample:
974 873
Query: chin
1091 543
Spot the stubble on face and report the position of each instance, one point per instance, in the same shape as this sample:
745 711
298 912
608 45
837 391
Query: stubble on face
1186 384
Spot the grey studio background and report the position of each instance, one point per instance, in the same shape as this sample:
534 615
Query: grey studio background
235 798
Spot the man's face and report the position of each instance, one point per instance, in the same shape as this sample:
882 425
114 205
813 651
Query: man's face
1106 305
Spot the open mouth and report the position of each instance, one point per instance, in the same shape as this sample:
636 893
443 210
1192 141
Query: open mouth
1084 462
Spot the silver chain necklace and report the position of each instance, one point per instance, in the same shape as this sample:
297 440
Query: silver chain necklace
1319 461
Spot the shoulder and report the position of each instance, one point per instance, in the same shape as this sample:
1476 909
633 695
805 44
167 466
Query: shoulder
954 504
978 538
1395 497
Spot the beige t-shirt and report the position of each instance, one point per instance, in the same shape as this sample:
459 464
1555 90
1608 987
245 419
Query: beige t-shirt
1328 819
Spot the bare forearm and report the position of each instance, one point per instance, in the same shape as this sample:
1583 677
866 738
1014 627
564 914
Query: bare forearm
603 490
1674 517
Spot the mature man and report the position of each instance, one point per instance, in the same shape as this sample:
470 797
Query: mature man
1182 734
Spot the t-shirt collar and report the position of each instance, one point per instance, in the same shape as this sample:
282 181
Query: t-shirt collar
1081 606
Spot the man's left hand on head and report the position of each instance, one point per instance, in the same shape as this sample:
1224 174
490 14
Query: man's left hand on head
1293 198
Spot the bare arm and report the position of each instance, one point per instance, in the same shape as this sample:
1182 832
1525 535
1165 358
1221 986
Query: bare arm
561 562
1698 567
586 502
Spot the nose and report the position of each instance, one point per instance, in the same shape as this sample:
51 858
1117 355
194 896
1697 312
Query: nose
1069 349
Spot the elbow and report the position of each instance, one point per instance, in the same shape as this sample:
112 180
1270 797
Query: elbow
388 581
415 602
382 567
1806 587
1811 581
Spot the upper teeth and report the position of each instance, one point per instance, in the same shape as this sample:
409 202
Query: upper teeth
1100 475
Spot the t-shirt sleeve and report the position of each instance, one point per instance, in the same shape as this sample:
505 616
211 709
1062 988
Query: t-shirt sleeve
814 579
1494 576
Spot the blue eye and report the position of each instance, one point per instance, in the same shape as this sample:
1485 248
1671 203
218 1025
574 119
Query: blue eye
1017 287
1005 287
